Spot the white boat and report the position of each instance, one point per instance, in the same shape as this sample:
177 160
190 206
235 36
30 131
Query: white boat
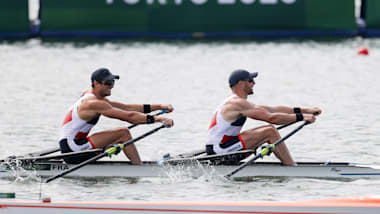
193 164
341 206
193 168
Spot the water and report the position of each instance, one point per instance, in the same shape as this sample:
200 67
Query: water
41 79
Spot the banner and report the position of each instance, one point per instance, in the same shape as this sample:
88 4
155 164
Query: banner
14 19
372 13
191 16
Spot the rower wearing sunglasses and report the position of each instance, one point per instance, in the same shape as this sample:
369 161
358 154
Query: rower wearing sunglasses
225 135
85 113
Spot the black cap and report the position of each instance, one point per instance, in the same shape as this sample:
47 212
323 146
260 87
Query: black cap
103 74
240 75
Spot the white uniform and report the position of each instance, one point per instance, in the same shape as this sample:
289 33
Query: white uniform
225 136
75 130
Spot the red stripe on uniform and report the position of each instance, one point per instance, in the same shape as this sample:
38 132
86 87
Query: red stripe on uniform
227 138
81 135
213 121
68 118
92 144
242 141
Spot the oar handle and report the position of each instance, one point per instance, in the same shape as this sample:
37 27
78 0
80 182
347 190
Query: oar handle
292 133
286 125
159 113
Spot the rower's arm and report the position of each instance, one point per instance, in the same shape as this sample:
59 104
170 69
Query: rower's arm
139 107
291 110
134 117
278 109
264 113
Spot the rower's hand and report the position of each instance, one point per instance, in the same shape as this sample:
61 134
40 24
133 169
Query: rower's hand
315 111
309 117
167 121
168 107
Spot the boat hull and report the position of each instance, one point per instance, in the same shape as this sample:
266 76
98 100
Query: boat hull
195 169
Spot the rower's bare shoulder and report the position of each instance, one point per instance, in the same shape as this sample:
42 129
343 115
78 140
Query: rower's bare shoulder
241 103
95 104
234 107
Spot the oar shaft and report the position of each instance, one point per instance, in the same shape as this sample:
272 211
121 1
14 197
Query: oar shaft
233 172
286 125
265 151
291 133
114 150
68 154
108 152
76 167
49 151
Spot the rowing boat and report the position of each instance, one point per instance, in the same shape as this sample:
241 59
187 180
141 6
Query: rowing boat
337 206
194 164
193 168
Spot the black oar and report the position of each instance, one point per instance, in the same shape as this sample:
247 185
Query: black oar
225 157
266 150
111 151
68 154
44 152
286 125
34 154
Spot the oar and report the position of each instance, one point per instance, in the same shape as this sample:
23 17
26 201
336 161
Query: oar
266 150
44 152
68 154
34 154
109 152
286 125
211 158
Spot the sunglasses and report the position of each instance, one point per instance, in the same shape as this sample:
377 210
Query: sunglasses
109 82
251 80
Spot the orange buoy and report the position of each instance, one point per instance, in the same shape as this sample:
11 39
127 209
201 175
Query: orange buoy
363 51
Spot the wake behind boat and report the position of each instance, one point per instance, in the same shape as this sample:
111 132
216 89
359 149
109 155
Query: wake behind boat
195 166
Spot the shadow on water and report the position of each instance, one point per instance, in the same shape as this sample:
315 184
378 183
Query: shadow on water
88 182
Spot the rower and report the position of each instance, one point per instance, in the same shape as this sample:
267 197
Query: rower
84 114
224 133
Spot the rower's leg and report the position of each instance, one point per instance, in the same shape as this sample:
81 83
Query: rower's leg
254 138
119 135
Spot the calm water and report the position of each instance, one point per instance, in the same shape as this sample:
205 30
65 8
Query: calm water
40 80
